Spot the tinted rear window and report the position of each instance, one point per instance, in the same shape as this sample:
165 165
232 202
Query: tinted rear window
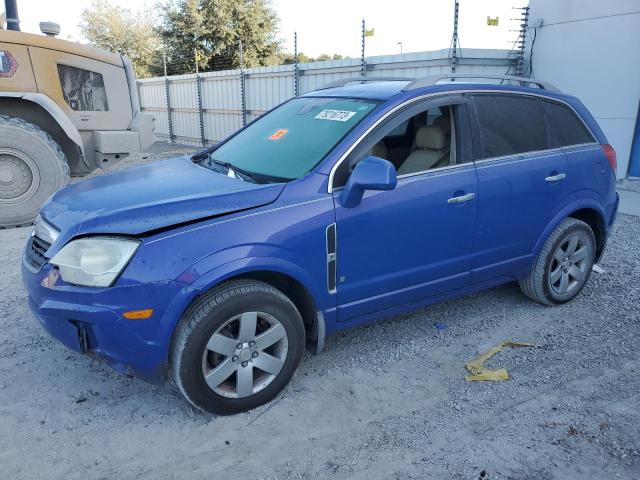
509 125
566 127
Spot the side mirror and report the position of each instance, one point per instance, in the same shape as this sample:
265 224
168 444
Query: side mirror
372 173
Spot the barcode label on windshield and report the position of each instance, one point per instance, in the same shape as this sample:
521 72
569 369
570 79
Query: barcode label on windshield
337 115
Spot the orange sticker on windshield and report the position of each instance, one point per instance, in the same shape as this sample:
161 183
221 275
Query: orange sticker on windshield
278 134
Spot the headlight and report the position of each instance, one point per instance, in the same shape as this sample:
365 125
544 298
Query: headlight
94 262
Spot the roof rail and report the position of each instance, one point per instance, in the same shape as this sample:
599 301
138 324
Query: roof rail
344 81
434 79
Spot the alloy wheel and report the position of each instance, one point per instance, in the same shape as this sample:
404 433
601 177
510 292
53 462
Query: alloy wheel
245 354
569 265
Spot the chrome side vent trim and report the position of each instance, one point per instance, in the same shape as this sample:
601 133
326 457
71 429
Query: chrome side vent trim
332 270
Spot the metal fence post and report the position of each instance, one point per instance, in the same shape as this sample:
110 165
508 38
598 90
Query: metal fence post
200 112
296 67
363 62
243 98
168 97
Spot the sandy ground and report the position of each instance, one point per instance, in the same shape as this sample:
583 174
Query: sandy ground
387 401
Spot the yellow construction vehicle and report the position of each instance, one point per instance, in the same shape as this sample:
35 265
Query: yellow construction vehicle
65 109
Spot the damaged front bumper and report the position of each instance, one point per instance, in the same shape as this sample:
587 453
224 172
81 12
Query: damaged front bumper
90 320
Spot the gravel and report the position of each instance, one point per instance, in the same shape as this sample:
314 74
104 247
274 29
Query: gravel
383 401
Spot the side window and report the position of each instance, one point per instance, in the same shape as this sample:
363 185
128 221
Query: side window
567 129
509 125
400 130
414 141
83 90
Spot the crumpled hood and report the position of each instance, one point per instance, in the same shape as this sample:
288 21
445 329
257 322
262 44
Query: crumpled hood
150 197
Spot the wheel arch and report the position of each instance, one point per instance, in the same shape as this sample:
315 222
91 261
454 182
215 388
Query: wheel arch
586 210
288 278
595 220
40 110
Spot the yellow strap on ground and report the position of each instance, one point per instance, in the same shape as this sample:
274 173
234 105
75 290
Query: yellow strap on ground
476 366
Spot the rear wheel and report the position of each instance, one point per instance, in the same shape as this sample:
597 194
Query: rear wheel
237 347
563 265
32 167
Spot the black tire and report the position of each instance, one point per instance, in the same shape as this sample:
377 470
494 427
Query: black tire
211 312
539 286
32 167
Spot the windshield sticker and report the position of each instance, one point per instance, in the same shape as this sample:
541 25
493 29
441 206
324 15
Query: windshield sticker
278 134
336 115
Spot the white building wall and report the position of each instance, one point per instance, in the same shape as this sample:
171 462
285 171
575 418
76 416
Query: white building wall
591 49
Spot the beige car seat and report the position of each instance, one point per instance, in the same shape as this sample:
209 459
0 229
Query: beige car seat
430 149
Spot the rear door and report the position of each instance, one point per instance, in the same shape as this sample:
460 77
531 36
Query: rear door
522 182
588 168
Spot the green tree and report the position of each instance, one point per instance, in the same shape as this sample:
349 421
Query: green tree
286 58
212 31
117 29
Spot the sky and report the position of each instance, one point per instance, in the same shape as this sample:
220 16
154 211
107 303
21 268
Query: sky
334 26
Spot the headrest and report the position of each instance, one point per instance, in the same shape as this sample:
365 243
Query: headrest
444 123
430 137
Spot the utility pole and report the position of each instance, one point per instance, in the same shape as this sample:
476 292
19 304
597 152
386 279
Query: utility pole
11 10
454 40
195 56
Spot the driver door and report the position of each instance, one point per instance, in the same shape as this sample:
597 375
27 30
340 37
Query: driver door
405 245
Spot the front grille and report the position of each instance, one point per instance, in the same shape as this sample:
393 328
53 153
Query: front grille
35 251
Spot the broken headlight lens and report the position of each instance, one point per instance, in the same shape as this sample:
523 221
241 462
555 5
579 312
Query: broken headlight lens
94 262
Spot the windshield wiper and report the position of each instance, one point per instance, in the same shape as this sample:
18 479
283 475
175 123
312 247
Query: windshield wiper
249 176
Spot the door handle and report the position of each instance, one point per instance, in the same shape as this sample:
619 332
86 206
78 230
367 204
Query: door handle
462 198
556 178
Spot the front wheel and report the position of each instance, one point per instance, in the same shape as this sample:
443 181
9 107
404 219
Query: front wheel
237 347
563 265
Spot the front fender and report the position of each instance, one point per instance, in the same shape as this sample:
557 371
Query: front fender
200 278
52 109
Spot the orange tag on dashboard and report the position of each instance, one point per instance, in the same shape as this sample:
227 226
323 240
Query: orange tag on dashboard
278 134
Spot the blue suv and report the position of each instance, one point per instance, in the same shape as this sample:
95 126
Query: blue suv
348 204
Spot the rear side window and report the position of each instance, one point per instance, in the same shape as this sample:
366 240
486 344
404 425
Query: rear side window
509 125
83 90
566 127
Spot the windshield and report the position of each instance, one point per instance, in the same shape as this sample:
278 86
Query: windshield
288 142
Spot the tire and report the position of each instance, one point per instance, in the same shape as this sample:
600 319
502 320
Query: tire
558 275
32 167
207 343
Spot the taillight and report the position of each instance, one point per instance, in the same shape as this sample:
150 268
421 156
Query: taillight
611 156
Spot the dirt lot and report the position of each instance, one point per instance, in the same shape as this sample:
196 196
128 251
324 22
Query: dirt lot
384 401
